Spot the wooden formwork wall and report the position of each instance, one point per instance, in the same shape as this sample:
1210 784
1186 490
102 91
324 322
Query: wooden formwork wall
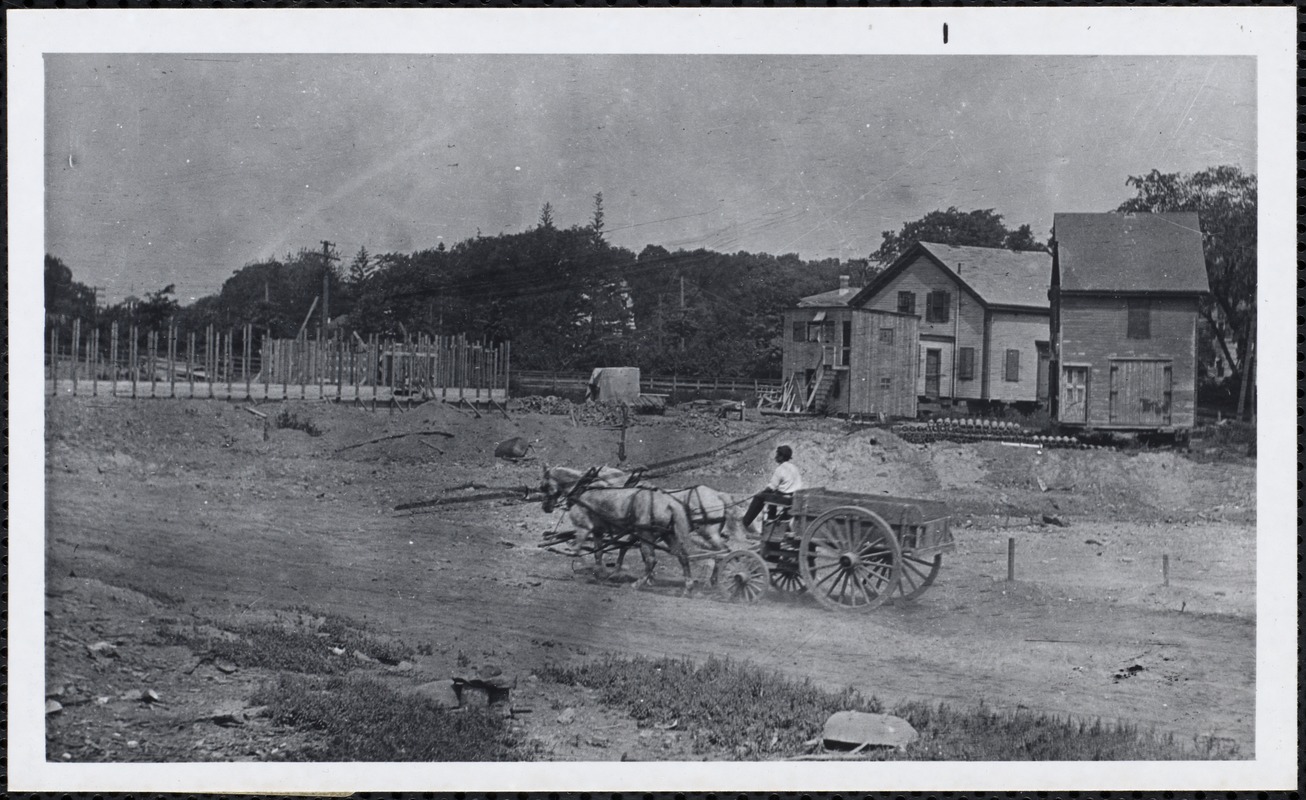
881 377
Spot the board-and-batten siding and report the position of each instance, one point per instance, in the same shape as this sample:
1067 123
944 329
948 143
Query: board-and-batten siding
1010 330
875 360
921 277
1094 333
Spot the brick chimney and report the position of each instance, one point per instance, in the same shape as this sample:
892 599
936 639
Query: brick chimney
843 282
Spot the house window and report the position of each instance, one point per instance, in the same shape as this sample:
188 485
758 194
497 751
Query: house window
800 332
886 384
966 367
1013 366
886 335
1140 319
906 302
846 344
937 305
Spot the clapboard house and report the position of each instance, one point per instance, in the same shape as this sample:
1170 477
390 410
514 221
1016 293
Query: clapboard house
983 321
1125 292
843 360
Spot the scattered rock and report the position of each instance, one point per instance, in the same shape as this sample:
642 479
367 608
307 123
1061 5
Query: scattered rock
225 666
102 650
513 449
363 657
1055 519
439 692
856 729
567 716
53 707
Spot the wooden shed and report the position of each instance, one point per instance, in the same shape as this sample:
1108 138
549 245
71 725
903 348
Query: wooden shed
843 360
1125 289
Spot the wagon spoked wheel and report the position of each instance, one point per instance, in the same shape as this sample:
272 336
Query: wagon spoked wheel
788 581
916 575
850 559
742 575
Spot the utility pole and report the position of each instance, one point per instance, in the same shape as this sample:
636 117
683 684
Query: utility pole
682 313
326 284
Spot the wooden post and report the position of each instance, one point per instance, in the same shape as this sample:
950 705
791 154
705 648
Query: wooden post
507 367
1165 569
77 346
113 357
246 349
374 359
151 351
210 360
172 360
134 351
54 360
95 361
190 362
265 367
1011 558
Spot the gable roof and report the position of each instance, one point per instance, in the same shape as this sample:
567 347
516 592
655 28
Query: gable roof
1118 252
995 275
834 297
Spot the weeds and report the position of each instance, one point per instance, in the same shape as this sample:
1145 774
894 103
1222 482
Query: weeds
286 419
363 720
735 708
325 649
725 706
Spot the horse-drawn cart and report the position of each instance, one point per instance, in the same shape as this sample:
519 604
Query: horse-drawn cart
857 551
851 551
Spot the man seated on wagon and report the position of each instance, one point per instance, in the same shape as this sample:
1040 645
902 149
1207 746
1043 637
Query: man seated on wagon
780 490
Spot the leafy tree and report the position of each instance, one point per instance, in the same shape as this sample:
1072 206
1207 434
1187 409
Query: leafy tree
596 222
979 228
546 218
65 297
1224 198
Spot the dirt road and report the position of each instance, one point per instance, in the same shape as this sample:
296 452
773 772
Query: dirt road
187 501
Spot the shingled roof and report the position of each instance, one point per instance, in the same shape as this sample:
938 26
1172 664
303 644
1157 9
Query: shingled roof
997 276
1117 252
834 297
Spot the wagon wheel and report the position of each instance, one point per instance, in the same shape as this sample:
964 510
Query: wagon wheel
787 581
850 559
916 575
742 575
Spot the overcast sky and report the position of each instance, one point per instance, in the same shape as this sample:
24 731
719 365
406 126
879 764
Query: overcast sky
183 168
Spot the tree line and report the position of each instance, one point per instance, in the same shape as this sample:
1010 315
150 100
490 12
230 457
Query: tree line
569 299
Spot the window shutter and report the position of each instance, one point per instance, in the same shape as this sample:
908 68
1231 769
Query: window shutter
1140 319
800 332
966 370
1013 365
929 307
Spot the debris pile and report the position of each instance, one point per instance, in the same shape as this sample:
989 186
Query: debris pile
535 404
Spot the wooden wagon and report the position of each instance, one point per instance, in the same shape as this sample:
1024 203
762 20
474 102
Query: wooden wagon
851 551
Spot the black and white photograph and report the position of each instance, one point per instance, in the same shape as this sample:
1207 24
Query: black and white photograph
654 399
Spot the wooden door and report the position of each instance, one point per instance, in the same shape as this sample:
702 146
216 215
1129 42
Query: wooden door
933 366
1074 395
1140 392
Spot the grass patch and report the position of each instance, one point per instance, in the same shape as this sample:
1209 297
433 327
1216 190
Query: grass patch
320 648
732 709
725 706
360 719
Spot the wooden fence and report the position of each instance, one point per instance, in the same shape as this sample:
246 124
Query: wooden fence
238 364
679 386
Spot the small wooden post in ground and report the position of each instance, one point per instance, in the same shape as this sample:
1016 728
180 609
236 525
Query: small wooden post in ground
172 360
95 361
1011 558
1165 569
134 353
77 346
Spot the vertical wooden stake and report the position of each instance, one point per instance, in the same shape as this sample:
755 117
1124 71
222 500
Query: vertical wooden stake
77 346
190 362
507 367
172 360
1011 558
1165 569
134 351
113 357
95 359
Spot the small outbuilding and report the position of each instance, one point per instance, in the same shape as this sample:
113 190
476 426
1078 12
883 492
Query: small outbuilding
614 385
838 359
1125 292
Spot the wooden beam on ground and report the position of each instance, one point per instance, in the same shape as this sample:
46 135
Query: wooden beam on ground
395 436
